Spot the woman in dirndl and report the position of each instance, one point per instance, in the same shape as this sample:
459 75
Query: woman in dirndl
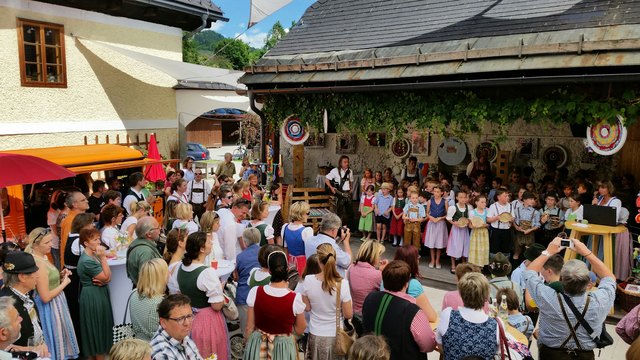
479 238
59 333
202 285
274 315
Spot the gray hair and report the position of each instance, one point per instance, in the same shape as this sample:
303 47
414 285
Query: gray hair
330 222
10 279
251 236
70 199
574 277
144 225
6 303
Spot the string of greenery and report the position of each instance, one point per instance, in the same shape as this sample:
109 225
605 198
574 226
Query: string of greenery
449 112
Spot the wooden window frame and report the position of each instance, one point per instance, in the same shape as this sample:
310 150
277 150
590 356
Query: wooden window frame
24 81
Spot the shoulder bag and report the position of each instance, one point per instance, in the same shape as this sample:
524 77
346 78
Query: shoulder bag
124 330
344 339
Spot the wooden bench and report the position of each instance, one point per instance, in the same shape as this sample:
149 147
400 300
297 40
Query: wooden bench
319 202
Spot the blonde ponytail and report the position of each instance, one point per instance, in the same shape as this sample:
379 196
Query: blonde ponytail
330 275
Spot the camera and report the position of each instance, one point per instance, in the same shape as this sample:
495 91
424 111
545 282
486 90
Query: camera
342 231
566 243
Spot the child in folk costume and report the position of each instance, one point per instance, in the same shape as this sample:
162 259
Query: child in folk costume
366 212
382 205
479 239
500 216
413 215
436 236
458 216
551 220
563 204
397 224
527 221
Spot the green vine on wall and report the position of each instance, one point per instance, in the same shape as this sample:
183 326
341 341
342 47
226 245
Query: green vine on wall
450 112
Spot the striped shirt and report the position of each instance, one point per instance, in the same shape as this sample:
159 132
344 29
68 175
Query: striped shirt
553 326
164 347
420 327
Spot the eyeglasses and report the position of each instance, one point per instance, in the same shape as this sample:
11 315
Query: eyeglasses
229 197
182 319
198 174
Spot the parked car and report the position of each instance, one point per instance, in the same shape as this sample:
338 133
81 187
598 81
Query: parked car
197 151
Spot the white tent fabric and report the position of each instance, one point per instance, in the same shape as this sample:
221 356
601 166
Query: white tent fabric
179 70
260 9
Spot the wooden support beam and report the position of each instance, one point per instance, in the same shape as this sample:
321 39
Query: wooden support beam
298 165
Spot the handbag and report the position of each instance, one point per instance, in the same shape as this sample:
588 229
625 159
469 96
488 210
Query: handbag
344 339
629 327
124 330
229 308
601 341
504 343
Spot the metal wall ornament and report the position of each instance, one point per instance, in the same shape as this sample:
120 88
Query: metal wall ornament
607 139
400 147
488 148
294 131
452 151
555 154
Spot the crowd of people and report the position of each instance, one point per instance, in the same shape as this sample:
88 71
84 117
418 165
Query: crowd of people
296 290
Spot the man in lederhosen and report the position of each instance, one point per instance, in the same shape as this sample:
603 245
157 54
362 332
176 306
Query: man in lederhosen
339 181
197 190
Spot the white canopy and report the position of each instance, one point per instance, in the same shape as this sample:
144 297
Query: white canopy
260 9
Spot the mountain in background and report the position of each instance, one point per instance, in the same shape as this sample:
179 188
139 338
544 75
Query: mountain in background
210 48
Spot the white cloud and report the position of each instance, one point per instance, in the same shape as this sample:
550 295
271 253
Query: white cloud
242 25
216 26
255 39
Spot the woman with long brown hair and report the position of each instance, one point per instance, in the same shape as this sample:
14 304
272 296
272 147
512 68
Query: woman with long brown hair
319 296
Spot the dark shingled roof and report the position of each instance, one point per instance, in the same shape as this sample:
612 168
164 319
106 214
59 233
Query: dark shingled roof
334 25
205 4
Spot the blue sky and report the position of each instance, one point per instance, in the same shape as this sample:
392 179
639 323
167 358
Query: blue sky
237 11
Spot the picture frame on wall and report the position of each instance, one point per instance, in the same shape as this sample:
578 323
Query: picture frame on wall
421 143
315 141
377 139
346 144
527 148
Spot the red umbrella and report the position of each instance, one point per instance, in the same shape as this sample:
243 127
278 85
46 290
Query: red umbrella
26 169
154 172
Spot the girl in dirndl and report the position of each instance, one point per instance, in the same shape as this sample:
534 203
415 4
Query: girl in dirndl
397 223
274 314
458 246
366 213
436 235
479 239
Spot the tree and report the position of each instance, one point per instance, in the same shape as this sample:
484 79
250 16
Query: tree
235 50
275 34
190 51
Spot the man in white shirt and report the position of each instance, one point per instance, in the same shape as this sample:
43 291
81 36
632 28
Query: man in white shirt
229 233
329 229
197 192
339 181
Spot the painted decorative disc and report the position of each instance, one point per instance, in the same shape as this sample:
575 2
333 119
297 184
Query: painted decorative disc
607 139
452 151
555 154
488 148
400 147
293 131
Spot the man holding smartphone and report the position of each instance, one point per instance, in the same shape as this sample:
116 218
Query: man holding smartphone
560 337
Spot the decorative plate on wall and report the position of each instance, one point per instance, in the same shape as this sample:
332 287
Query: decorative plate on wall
488 148
555 154
607 139
293 131
452 151
400 147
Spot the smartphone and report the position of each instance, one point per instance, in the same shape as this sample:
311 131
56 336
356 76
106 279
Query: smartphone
566 243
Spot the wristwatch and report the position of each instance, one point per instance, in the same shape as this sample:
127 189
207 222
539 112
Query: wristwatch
545 253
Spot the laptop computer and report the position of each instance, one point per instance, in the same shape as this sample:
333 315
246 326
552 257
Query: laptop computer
600 215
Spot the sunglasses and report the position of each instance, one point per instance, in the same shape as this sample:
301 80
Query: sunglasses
41 234
198 174
229 197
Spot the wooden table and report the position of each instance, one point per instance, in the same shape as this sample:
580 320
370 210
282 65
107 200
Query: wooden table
578 230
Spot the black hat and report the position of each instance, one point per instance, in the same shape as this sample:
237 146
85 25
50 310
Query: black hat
18 262
500 265
533 251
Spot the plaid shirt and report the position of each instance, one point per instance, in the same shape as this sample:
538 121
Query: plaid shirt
30 306
164 347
